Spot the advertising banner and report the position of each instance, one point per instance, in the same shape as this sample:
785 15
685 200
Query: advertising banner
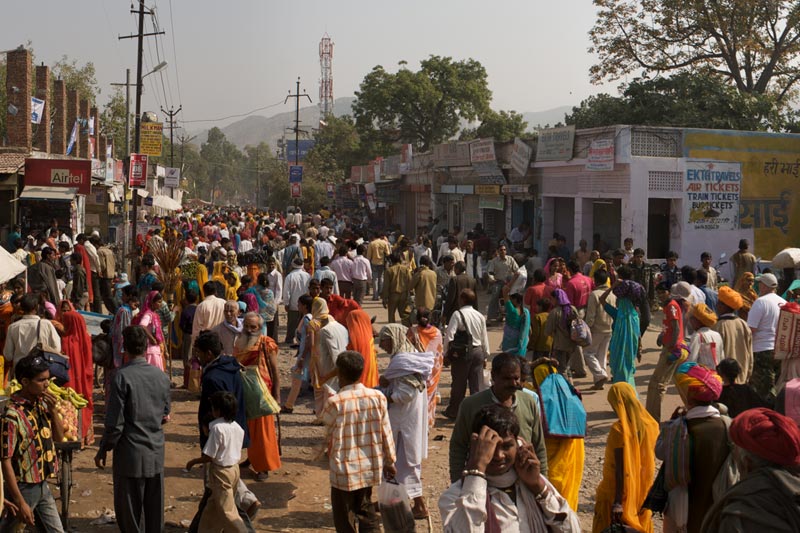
521 157
295 173
291 151
172 177
296 189
481 151
59 173
151 138
37 108
712 191
601 155
137 172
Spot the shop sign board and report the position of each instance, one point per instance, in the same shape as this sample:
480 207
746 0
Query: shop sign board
59 173
555 144
151 138
481 151
516 189
521 157
137 172
712 191
454 154
496 202
172 177
601 155
487 189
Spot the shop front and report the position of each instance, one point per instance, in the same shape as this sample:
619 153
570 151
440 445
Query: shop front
54 189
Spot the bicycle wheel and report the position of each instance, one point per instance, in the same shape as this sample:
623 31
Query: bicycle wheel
65 486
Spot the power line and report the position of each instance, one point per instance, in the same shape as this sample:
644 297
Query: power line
174 52
234 116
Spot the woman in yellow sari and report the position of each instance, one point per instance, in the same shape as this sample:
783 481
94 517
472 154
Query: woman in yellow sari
428 338
631 442
359 326
565 455
745 288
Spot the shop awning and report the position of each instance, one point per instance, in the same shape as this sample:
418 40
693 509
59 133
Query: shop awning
165 202
40 192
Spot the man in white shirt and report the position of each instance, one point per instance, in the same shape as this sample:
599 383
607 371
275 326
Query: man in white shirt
706 347
499 462
362 274
324 272
763 322
322 248
209 313
294 286
502 269
343 266
600 323
27 332
466 368
94 266
245 246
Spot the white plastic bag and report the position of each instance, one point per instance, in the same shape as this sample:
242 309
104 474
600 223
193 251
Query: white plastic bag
395 508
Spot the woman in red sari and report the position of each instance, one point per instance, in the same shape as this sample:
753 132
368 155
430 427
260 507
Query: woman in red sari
362 340
428 338
77 346
254 349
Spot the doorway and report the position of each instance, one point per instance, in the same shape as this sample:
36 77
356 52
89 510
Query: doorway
606 221
658 212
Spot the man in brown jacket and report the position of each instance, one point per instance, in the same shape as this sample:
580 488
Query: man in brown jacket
737 339
459 282
423 283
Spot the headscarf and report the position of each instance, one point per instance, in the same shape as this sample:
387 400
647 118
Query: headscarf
698 383
629 289
562 299
251 301
50 308
155 320
359 326
745 287
767 434
730 297
705 315
793 287
319 309
638 432
60 315
599 264
398 333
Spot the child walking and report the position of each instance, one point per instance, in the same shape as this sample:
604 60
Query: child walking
221 454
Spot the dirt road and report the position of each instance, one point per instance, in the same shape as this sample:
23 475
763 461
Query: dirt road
297 497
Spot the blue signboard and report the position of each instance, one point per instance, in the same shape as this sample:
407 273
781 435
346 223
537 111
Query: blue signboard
305 146
295 174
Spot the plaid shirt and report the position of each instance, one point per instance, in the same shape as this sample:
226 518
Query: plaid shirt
28 440
359 437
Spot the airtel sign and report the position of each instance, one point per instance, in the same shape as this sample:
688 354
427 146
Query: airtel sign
59 173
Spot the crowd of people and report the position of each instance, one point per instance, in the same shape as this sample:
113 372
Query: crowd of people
516 452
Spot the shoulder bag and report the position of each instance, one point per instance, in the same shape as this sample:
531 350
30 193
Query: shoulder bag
59 365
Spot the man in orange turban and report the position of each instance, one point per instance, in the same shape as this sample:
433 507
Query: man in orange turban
737 339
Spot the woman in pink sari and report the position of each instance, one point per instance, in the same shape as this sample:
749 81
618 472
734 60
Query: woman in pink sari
552 270
428 338
149 320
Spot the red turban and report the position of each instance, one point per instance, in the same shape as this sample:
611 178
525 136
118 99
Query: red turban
769 435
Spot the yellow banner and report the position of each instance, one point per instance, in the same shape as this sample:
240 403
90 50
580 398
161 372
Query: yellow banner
151 138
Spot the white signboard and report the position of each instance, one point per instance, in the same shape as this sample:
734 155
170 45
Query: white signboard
555 144
711 195
521 157
481 151
601 155
172 177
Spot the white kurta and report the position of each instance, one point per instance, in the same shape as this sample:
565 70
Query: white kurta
408 415
704 342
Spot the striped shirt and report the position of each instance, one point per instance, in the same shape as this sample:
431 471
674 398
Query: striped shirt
359 437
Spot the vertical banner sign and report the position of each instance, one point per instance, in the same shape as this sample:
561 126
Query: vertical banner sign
711 194
151 138
37 108
137 173
330 188
295 174
296 188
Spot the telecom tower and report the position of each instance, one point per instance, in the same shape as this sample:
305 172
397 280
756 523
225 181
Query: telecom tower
326 80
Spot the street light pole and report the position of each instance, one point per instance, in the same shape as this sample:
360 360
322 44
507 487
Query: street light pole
125 217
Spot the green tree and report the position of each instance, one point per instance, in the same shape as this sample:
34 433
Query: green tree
337 148
223 160
423 107
501 126
112 121
77 77
753 44
701 100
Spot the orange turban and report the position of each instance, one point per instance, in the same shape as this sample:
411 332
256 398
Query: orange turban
730 297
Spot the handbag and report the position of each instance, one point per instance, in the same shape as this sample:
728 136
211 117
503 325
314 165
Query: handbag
462 341
57 363
258 400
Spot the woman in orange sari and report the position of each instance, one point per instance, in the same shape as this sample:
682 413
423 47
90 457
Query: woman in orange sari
77 346
745 288
428 338
362 340
253 349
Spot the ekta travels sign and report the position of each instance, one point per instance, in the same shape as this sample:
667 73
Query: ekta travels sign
712 191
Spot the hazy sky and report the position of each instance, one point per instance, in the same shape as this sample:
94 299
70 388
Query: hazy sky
231 57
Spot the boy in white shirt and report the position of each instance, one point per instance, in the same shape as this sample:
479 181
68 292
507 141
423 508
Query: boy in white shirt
222 453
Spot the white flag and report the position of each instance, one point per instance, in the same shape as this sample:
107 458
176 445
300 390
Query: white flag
37 110
73 137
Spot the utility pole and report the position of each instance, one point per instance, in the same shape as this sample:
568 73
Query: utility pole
125 217
297 97
258 178
137 122
171 114
183 139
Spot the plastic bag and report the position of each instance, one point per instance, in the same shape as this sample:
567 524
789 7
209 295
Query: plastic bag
395 508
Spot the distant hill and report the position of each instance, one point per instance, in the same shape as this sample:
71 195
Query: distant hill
542 118
254 129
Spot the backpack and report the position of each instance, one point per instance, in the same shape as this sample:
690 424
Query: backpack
579 332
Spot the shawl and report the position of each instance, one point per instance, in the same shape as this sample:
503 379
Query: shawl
399 336
745 288
562 299
251 300
408 363
359 328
